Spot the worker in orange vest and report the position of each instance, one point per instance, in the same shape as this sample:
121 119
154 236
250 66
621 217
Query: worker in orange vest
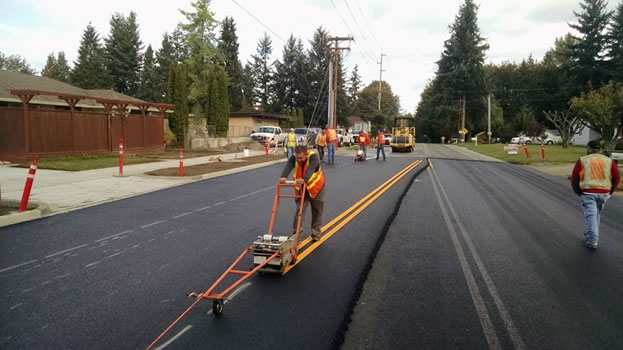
306 165
380 139
331 141
321 143
594 179
363 139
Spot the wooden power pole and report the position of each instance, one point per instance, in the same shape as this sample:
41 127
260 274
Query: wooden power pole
338 49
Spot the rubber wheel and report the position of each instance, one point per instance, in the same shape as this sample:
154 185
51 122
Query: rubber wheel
217 307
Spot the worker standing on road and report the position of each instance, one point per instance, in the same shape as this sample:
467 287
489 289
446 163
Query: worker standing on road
363 139
307 170
594 179
321 143
291 142
380 138
331 141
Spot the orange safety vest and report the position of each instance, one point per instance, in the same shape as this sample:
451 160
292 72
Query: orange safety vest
332 135
595 172
321 140
316 181
380 139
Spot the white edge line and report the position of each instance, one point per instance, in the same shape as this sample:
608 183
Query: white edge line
93 263
115 235
175 337
65 251
16 266
179 216
204 208
219 203
110 256
239 289
153 223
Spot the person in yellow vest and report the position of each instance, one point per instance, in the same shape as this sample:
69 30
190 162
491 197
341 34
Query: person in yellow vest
321 143
291 142
331 141
594 179
306 165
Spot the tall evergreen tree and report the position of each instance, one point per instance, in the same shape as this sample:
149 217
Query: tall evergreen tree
319 56
164 58
201 41
248 88
179 43
616 44
228 45
263 72
218 107
16 63
285 78
177 94
588 51
301 63
354 85
57 68
90 71
123 53
147 89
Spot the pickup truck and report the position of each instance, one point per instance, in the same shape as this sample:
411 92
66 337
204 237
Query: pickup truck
344 137
270 132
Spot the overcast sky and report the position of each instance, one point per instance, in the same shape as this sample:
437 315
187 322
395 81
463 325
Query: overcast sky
410 32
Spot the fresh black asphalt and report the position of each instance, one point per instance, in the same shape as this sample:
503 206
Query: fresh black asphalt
114 276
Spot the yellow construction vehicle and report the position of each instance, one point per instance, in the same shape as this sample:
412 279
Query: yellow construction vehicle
403 135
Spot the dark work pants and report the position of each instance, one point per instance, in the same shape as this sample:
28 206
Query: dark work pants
317 205
320 151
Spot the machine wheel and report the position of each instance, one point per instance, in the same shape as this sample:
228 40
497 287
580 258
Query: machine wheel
217 307
393 149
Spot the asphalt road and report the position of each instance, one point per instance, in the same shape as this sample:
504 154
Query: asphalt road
114 276
491 255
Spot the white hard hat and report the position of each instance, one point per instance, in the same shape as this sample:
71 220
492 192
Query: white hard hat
360 153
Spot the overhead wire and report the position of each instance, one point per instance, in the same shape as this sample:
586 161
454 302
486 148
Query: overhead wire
359 28
260 22
368 25
349 28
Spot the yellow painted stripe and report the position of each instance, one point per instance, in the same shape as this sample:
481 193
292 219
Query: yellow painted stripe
328 235
307 240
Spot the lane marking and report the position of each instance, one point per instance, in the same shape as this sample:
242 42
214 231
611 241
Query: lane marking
373 196
153 223
186 329
499 303
219 203
239 197
204 208
18 265
65 251
62 276
236 291
474 291
110 256
262 190
93 263
179 216
15 306
115 235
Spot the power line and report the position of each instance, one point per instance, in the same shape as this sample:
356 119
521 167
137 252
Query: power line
366 22
359 28
348 27
265 26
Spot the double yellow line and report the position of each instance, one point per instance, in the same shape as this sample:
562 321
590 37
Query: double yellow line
355 210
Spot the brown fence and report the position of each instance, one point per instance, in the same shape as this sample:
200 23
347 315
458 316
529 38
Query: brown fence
64 132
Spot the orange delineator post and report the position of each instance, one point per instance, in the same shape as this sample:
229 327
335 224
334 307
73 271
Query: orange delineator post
525 148
121 157
266 145
542 151
217 297
29 180
181 162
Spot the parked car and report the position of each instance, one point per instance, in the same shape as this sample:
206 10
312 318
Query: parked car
388 138
522 139
270 132
343 137
549 137
355 136
301 135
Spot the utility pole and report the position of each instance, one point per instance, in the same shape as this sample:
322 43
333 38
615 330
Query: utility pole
380 79
489 117
338 49
331 105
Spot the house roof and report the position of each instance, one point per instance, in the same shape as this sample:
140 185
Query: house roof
258 114
47 91
354 119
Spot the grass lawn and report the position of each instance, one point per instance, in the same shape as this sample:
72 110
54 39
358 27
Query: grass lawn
554 154
90 161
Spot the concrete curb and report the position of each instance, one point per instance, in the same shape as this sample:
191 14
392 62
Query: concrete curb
35 210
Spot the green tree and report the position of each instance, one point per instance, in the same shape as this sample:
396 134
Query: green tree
285 78
602 110
588 50
248 87
218 107
319 55
16 63
57 68
228 45
123 53
164 58
148 88
90 71
177 94
200 34
263 73
353 89
368 104
616 44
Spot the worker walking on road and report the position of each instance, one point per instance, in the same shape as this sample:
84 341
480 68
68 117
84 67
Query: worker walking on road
594 179
331 141
321 143
363 139
380 138
307 170
291 142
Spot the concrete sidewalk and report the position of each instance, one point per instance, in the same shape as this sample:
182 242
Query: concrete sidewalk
61 191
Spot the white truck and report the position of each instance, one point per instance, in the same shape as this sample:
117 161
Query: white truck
344 137
271 133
